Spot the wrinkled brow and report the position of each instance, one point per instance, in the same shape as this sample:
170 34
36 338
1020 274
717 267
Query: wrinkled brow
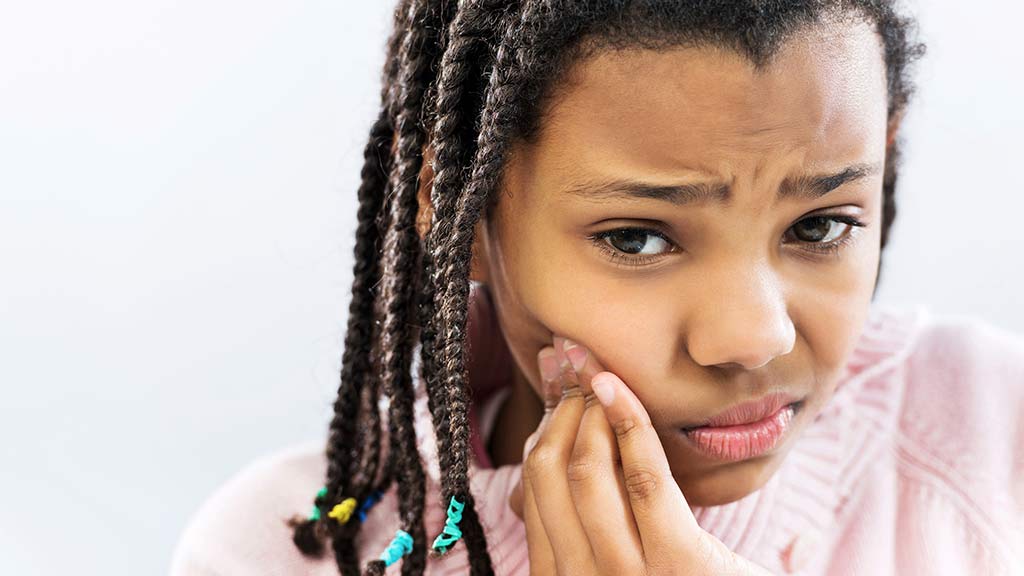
803 187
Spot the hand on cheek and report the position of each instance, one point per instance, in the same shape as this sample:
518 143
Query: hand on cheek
597 488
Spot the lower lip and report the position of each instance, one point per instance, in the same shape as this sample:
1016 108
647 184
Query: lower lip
743 441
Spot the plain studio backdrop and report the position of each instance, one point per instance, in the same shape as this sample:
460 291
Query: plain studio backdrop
177 202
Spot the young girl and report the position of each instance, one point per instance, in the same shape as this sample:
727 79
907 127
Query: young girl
613 314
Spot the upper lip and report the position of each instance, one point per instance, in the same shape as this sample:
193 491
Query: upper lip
751 411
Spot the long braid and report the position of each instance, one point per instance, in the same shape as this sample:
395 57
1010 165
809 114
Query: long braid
356 359
500 109
402 248
368 471
346 440
471 27
347 436
378 157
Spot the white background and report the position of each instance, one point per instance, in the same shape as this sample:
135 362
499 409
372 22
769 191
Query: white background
177 183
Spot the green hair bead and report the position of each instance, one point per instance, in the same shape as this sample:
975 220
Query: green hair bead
320 495
451 533
399 546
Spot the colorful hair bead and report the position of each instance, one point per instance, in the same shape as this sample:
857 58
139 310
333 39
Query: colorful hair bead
368 503
451 532
399 546
320 495
342 512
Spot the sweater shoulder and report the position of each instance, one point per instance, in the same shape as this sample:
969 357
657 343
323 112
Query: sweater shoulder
961 427
964 383
242 527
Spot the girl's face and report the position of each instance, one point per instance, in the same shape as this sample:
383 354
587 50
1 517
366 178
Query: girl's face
673 217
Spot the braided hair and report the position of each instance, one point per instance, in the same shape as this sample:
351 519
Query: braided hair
465 80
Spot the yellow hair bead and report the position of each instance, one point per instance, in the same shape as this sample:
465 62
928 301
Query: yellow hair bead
342 512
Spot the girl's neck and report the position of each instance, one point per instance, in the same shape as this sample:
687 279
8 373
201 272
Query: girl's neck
516 419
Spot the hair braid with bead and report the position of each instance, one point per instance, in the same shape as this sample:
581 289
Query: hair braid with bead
467 38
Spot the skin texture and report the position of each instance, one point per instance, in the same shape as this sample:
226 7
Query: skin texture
737 305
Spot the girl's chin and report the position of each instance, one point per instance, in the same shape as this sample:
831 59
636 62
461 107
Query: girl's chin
723 484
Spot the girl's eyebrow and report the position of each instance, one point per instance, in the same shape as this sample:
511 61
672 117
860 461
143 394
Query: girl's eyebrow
804 187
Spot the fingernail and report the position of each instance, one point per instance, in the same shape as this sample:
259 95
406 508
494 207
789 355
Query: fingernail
604 391
576 354
548 364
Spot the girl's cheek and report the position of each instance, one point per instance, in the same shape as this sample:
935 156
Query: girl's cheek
630 336
546 286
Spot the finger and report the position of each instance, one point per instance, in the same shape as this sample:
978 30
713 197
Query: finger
545 470
599 491
538 544
663 516
515 499
583 362
541 555
596 479
551 393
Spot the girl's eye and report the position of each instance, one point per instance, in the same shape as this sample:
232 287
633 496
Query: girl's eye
632 246
639 246
635 241
820 233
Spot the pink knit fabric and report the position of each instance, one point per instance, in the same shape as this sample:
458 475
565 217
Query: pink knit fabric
916 466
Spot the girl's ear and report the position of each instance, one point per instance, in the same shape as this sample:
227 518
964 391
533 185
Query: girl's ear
479 266
892 128
425 210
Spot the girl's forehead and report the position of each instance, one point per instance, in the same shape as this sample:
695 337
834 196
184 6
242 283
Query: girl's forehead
824 92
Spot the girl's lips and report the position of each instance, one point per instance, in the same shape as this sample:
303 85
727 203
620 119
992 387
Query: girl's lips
741 441
752 411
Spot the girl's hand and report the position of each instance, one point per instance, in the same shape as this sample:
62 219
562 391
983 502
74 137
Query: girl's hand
597 494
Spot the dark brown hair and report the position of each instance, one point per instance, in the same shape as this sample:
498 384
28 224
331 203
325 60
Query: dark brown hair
469 78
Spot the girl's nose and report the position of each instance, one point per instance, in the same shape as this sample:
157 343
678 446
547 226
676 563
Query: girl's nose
744 323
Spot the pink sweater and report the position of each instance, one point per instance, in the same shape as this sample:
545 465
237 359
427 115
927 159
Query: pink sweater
915 467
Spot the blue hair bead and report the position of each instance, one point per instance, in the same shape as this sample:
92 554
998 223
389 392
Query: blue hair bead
400 546
451 533
368 503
